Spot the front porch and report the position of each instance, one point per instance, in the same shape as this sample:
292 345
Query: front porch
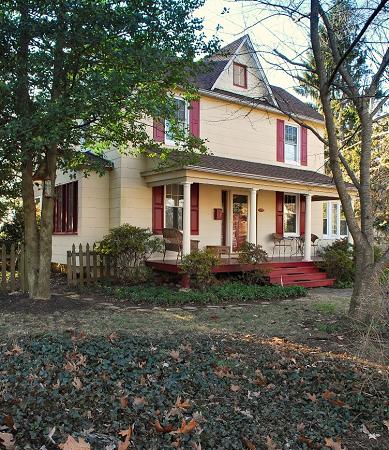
284 271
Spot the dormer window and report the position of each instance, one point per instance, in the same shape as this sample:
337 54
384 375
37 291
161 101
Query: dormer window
240 75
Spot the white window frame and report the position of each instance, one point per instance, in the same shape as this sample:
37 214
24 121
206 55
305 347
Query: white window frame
296 162
170 141
297 233
330 234
165 205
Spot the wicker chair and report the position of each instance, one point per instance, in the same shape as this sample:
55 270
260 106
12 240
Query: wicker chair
172 239
281 243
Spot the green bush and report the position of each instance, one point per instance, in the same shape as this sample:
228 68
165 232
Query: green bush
130 246
223 293
338 262
253 254
199 265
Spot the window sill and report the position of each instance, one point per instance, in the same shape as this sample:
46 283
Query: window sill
293 163
65 233
331 238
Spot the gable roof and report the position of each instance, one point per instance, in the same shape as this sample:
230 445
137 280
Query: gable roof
217 63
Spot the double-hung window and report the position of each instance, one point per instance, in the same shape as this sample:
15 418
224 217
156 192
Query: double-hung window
334 221
291 144
290 215
174 204
240 75
181 121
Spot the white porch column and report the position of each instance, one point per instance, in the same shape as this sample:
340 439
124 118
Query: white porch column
186 220
253 217
308 228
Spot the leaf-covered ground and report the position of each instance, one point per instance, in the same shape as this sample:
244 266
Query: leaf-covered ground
189 391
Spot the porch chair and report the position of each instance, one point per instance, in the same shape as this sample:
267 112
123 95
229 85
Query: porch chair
219 250
315 240
172 239
280 242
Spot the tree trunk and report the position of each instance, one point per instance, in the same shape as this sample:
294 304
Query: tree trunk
46 228
30 230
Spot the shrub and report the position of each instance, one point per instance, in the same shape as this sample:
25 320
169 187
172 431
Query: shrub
253 254
338 262
199 265
130 246
223 293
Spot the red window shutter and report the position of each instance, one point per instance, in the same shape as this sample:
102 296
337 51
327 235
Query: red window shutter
159 130
302 213
279 212
304 147
158 209
280 140
194 209
194 118
74 211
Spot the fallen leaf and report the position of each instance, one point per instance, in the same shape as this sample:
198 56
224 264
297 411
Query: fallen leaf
187 428
7 441
223 372
15 350
175 355
311 397
305 440
386 423
139 401
9 422
270 445
74 444
374 436
77 383
123 445
300 427
113 337
160 429
260 379
196 446
335 445
235 388
248 444
182 404
124 401
328 395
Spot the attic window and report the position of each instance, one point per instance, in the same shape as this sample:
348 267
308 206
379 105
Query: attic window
240 75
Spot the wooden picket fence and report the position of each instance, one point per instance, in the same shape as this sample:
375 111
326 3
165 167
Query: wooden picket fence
87 266
13 268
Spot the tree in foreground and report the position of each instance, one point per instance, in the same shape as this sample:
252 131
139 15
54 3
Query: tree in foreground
89 71
345 66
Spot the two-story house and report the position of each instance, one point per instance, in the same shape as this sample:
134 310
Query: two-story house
264 173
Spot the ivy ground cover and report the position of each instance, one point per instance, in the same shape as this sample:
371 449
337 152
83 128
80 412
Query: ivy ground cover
188 391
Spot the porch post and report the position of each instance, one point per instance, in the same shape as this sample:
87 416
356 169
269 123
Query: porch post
308 228
186 220
253 217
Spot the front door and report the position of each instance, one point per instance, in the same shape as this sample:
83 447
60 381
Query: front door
240 208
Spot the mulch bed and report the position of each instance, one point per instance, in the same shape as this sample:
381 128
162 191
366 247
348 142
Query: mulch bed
189 392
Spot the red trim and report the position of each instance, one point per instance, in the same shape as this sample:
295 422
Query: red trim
280 140
65 212
194 118
158 209
224 217
158 130
194 209
245 75
304 146
302 213
280 212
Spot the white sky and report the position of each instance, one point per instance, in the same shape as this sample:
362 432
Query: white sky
275 32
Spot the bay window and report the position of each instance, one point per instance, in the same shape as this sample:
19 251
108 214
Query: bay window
334 221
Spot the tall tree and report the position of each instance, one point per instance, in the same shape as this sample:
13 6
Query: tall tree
88 71
334 72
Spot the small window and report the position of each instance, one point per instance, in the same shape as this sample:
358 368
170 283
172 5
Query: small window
174 206
291 144
325 219
343 223
65 217
290 214
181 116
240 75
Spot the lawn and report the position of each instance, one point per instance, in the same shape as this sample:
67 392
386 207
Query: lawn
274 375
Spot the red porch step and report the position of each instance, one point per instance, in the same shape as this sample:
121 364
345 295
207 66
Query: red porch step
303 273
